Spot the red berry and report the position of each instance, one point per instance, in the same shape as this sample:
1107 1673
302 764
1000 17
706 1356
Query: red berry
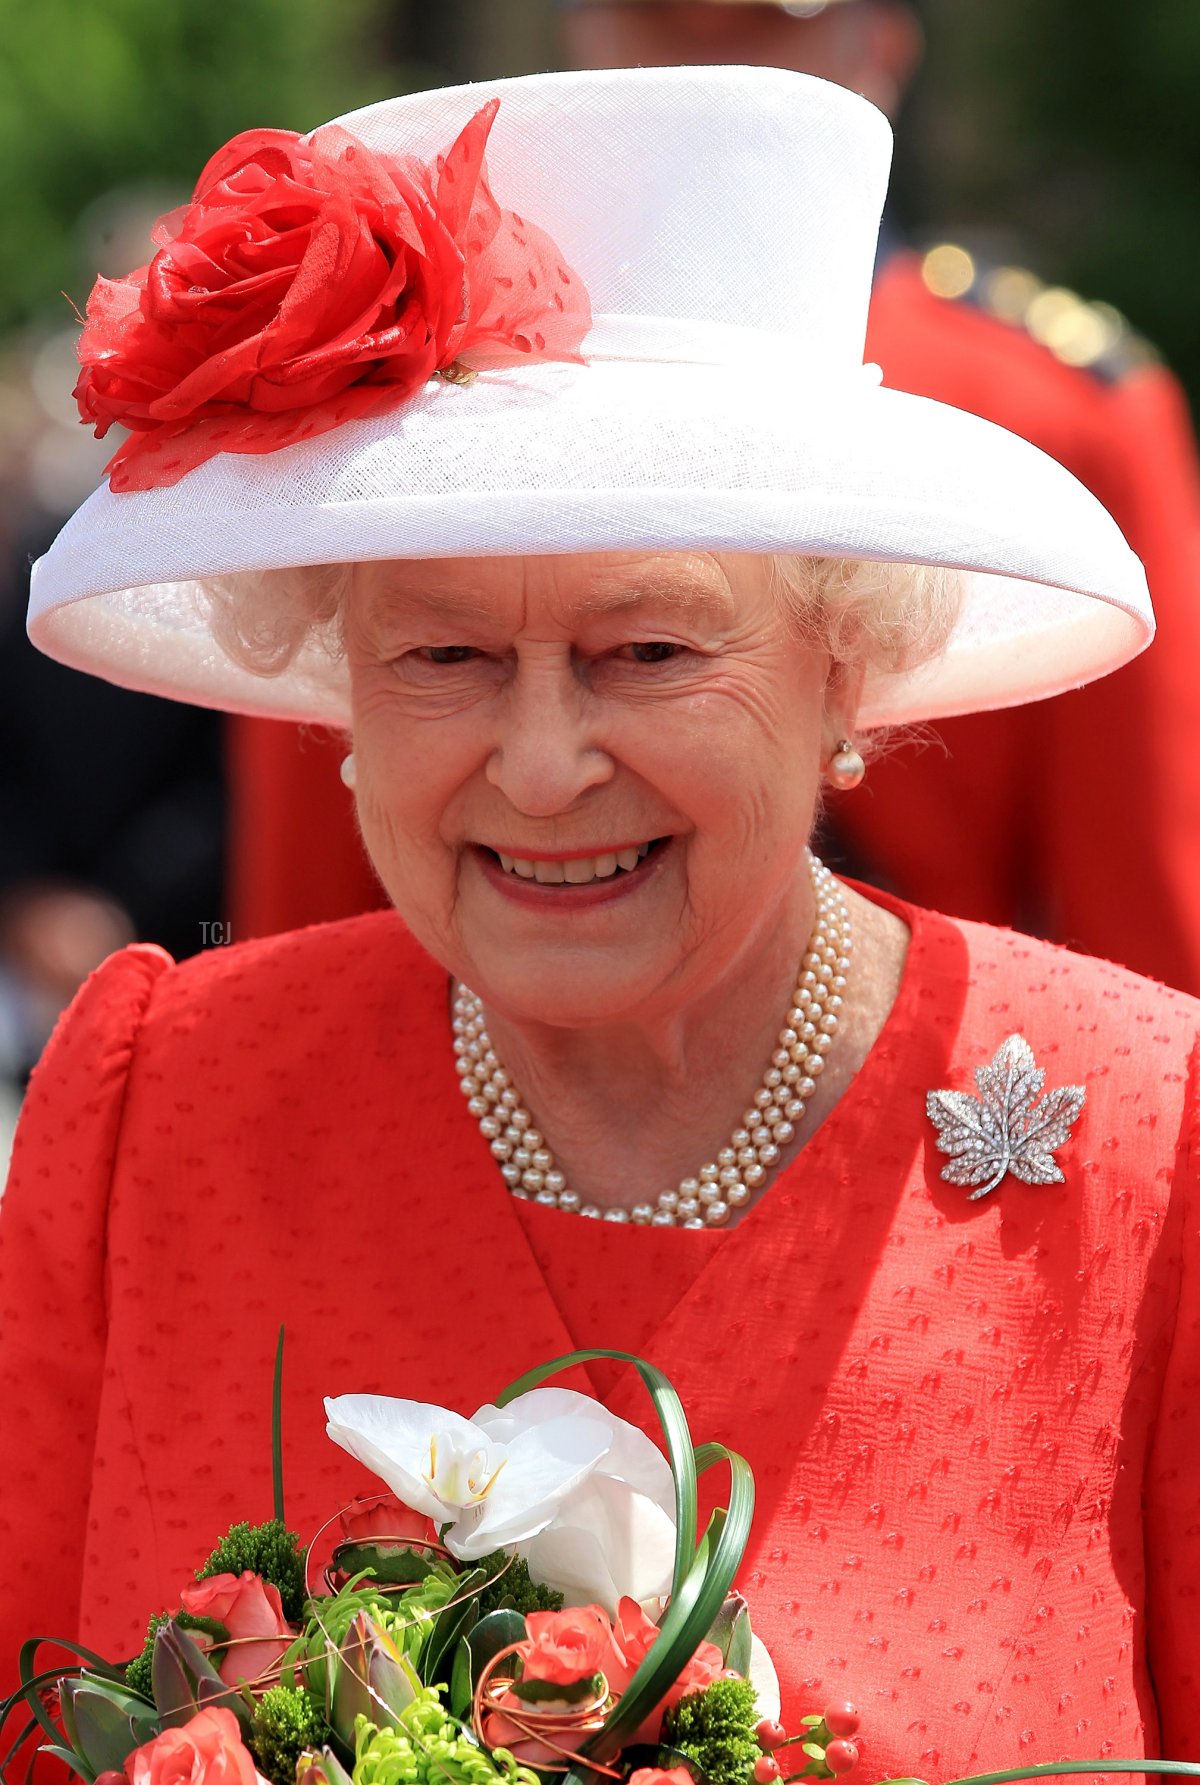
841 1719
841 1756
770 1734
766 1770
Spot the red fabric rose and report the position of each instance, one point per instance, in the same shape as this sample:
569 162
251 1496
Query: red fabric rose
251 1610
565 1646
308 282
207 1750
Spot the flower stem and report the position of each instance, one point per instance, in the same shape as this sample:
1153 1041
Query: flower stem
1055 1768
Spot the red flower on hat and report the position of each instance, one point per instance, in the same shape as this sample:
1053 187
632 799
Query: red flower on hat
309 282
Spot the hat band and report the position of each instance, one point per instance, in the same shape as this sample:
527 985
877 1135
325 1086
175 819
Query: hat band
684 341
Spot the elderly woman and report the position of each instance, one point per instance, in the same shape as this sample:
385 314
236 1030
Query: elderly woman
575 507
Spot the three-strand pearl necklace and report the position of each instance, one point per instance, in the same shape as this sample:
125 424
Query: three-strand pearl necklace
769 1122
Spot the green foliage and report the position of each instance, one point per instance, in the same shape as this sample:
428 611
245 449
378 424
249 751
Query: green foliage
515 1587
1075 136
286 1722
270 1550
430 1748
406 1617
138 1674
715 1729
416 1610
99 95
330 1620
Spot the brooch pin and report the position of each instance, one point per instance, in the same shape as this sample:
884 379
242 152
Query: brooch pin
1007 1128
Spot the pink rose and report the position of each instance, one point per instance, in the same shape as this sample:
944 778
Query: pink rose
251 1611
522 1731
634 1634
565 1647
659 1775
383 1518
208 1750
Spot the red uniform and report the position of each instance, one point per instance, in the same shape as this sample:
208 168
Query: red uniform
1078 818
972 1424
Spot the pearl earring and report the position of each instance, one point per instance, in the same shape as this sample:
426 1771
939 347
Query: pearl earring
846 767
348 770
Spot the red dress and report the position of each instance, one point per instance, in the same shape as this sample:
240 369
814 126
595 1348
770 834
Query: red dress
972 1424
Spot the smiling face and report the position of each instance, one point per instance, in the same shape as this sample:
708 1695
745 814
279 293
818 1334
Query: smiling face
587 782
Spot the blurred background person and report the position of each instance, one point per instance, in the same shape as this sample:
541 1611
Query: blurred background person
112 804
965 814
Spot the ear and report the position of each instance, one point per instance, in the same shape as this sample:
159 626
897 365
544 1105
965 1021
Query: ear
897 45
843 697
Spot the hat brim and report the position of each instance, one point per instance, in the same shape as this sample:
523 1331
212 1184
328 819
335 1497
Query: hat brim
615 456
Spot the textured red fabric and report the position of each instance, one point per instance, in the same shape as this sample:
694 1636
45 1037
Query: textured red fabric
1077 818
972 1424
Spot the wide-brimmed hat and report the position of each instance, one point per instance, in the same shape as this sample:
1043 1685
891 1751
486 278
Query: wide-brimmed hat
721 224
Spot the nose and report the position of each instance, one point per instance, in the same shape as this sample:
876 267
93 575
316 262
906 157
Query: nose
547 754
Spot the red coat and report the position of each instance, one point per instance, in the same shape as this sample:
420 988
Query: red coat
972 1423
1077 818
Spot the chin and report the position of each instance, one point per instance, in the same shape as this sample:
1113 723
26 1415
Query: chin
562 990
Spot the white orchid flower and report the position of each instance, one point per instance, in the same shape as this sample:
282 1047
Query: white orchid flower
493 1490
764 1679
614 1533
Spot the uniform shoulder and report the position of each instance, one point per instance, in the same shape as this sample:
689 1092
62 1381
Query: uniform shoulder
998 299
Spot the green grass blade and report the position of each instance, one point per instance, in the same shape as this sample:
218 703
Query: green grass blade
689 1616
673 1420
1054 1769
704 1573
277 1431
33 1680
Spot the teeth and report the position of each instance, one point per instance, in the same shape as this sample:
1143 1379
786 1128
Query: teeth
575 873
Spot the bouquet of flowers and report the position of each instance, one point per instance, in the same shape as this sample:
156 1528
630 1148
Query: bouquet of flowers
525 1598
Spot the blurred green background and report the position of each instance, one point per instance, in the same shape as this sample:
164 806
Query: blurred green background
1064 134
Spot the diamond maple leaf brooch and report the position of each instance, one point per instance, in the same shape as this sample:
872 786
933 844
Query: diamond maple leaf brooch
1007 1128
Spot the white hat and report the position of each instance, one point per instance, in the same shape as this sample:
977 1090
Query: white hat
724 223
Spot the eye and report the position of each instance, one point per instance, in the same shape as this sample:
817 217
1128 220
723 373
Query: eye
653 651
448 653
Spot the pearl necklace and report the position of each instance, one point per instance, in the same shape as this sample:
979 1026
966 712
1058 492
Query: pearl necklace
768 1124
